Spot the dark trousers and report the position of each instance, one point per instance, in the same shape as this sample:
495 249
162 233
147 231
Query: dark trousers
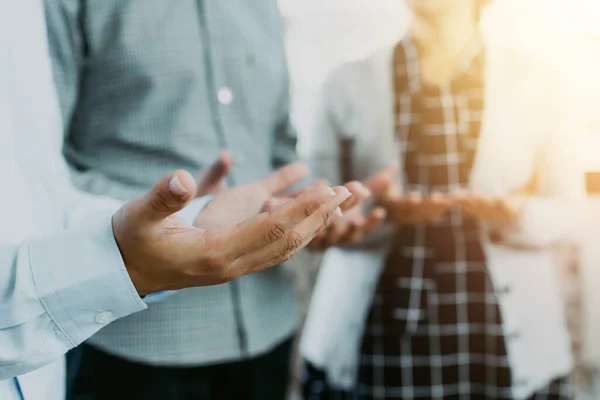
102 376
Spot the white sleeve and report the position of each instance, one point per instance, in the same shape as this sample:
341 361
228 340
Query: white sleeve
553 215
58 290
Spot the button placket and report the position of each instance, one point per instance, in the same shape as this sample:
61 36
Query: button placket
225 96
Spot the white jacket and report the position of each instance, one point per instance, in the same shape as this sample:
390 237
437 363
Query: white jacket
526 122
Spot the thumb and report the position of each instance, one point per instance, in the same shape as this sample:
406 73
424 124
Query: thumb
170 195
212 180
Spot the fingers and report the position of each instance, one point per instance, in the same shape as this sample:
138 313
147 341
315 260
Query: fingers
212 179
283 245
316 183
359 228
170 195
381 180
285 177
348 230
416 209
278 201
352 233
468 206
359 194
475 205
274 202
335 234
336 231
271 227
374 219
358 191
437 198
413 198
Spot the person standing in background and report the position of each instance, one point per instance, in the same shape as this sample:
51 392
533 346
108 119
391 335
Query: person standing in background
146 86
465 303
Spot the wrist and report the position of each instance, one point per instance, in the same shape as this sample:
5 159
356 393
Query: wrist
140 284
142 287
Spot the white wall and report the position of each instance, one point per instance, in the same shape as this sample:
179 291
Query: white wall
322 34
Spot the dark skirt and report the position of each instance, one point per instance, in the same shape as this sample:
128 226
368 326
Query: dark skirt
315 387
435 329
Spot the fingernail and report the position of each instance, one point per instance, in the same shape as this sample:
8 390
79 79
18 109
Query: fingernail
331 192
338 212
176 187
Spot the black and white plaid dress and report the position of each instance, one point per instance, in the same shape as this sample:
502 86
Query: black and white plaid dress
435 330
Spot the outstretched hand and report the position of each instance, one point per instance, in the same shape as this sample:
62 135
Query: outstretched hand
356 222
162 252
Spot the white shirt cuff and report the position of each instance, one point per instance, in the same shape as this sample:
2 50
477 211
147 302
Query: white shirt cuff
158 297
81 279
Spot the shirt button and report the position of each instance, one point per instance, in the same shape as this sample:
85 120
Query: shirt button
225 96
104 317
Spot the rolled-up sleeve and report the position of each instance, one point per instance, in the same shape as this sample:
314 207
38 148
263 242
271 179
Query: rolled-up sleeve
58 290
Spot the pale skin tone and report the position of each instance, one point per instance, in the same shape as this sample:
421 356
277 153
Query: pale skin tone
442 29
230 238
356 223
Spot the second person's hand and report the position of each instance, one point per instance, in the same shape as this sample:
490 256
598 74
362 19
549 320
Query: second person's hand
357 223
498 210
412 209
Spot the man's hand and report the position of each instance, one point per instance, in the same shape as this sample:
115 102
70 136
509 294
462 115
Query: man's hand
349 228
412 209
355 224
213 179
162 252
358 190
234 205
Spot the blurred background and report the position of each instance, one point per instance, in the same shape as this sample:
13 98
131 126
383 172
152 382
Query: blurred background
322 34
